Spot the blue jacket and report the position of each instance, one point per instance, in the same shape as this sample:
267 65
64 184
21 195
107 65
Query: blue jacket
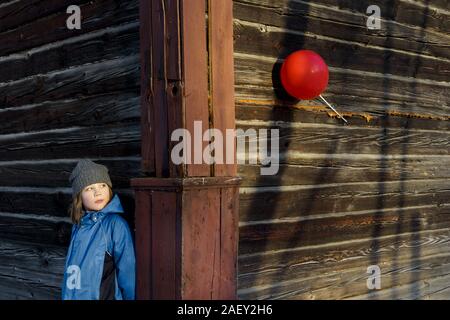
100 232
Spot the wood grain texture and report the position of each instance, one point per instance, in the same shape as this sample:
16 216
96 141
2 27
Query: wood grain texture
389 202
195 73
201 246
96 15
55 83
222 76
146 87
30 270
163 264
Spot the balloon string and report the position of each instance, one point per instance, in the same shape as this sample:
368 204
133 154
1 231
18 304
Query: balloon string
340 116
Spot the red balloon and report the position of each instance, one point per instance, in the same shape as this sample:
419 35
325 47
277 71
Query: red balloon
304 74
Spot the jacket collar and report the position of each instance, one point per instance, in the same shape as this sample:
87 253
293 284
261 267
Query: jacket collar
91 217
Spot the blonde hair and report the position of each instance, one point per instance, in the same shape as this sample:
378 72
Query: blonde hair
76 208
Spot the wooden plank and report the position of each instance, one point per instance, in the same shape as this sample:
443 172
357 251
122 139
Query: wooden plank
280 235
99 78
106 44
259 268
18 13
146 87
96 110
195 74
91 142
348 283
28 289
321 198
304 170
47 202
229 233
175 115
222 76
164 206
276 42
46 231
337 139
339 269
428 289
330 21
96 15
276 110
30 270
201 244
351 91
413 13
143 245
159 99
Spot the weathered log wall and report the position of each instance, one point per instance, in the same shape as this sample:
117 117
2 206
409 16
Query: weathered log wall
374 192
64 95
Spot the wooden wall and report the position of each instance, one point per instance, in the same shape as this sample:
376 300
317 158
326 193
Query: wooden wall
374 192
64 95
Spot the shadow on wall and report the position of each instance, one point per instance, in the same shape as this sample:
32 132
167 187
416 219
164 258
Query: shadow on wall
290 43
281 111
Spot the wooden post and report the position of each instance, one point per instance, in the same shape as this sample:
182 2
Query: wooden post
187 214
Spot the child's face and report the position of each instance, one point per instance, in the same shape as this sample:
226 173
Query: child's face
95 196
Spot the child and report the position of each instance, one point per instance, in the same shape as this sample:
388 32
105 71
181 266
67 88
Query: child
100 262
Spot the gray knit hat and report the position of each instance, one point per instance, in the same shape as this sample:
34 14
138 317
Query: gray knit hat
86 173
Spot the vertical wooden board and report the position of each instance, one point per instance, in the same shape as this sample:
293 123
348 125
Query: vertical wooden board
147 116
163 241
229 232
222 74
195 75
173 74
143 245
159 81
201 239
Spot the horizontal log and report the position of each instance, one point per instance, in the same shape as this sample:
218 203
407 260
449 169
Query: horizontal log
30 270
17 13
428 289
27 289
351 91
96 15
344 284
46 231
350 26
280 110
304 170
276 235
97 110
106 44
341 254
99 78
337 139
48 202
265 203
55 173
278 42
325 267
317 272
91 142
422 14
427 16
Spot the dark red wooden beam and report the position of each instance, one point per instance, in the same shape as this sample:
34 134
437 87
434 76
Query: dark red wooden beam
186 215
